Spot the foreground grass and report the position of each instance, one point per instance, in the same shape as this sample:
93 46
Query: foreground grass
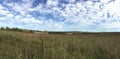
16 45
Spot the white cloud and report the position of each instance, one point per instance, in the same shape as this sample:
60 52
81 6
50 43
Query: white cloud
10 15
1 7
105 1
23 7
110 25
9 4
3 11
80 14
52 2
52 25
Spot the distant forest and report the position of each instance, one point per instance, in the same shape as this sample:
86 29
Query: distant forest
17 29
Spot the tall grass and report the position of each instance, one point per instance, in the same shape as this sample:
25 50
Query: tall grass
20 45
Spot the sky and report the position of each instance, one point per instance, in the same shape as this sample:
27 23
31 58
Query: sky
61 15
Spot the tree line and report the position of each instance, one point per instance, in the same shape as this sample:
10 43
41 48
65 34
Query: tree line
16 29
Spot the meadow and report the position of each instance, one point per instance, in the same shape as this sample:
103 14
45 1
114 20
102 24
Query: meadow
24 45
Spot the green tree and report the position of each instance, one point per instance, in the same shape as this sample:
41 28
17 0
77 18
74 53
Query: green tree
7 28
31 31
2 28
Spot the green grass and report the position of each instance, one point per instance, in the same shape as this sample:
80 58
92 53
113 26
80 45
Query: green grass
20 45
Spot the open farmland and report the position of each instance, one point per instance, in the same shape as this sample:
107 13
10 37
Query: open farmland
23 45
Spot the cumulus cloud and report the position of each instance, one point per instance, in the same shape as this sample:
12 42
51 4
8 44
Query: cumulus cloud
63 14
3 11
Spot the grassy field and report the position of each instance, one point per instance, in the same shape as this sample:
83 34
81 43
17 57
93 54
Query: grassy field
21 45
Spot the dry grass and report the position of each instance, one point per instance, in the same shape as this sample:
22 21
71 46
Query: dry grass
21 45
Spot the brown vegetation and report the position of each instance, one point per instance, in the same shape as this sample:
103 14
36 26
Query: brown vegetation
24 45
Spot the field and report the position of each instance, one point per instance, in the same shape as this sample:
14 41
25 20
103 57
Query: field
23 45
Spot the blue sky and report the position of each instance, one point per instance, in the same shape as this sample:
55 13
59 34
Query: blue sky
61 15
